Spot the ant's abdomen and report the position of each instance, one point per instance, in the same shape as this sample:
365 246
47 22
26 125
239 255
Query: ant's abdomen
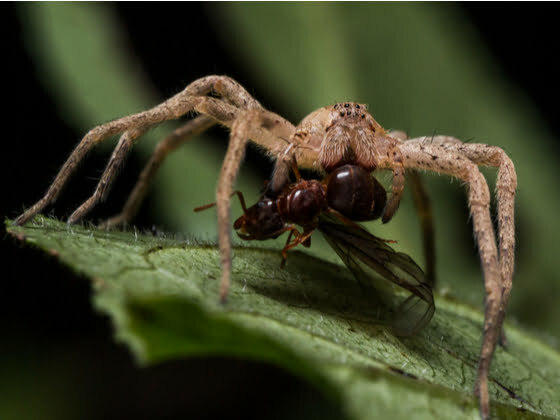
355 193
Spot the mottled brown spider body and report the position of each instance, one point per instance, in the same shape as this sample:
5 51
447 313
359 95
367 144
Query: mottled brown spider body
345 133
324 140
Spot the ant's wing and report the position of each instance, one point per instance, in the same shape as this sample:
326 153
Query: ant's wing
398 281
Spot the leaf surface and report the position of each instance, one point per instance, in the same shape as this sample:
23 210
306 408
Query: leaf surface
311 318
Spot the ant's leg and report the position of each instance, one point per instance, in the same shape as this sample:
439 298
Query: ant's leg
300 238
285 254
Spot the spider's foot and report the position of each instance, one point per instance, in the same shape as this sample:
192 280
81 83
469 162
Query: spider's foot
30 213
481 392
81 211
116 221
23 218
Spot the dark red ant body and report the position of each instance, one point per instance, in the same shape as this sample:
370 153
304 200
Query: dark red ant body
348 194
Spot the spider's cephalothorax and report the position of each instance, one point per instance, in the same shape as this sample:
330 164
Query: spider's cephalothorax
349 138
332 136
345 133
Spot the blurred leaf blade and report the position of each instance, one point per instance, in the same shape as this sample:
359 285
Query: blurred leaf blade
161 294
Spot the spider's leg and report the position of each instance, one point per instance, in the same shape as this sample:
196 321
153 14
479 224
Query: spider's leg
224 87
165 146
264 128
180 106
425 214
102 189
132 127
506 185
445 159
92 138
239 136
173 108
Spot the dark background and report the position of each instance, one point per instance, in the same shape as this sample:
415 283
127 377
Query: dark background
41 344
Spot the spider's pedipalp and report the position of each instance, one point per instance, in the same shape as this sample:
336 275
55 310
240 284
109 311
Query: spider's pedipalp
397 166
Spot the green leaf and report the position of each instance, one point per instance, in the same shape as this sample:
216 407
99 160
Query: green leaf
311 318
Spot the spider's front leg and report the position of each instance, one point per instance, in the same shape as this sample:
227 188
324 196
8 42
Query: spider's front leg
163 148
221 100
193 98
268 130
450 156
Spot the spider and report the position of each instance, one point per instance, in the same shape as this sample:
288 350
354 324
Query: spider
344 133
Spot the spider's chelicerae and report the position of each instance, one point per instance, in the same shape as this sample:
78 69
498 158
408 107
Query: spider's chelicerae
324 140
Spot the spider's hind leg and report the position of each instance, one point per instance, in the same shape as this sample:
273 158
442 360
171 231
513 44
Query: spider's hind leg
193 98
425 214
165 146
103 186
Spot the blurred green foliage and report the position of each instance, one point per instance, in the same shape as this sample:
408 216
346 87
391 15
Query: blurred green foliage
420 67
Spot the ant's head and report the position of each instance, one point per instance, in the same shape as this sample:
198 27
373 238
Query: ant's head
260 221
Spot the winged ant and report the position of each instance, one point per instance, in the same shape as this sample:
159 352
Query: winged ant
332 206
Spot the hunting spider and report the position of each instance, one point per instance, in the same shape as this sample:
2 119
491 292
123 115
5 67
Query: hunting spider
327 138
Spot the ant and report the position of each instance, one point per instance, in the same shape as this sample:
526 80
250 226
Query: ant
332 206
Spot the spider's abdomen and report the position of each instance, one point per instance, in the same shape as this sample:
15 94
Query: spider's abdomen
355 193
